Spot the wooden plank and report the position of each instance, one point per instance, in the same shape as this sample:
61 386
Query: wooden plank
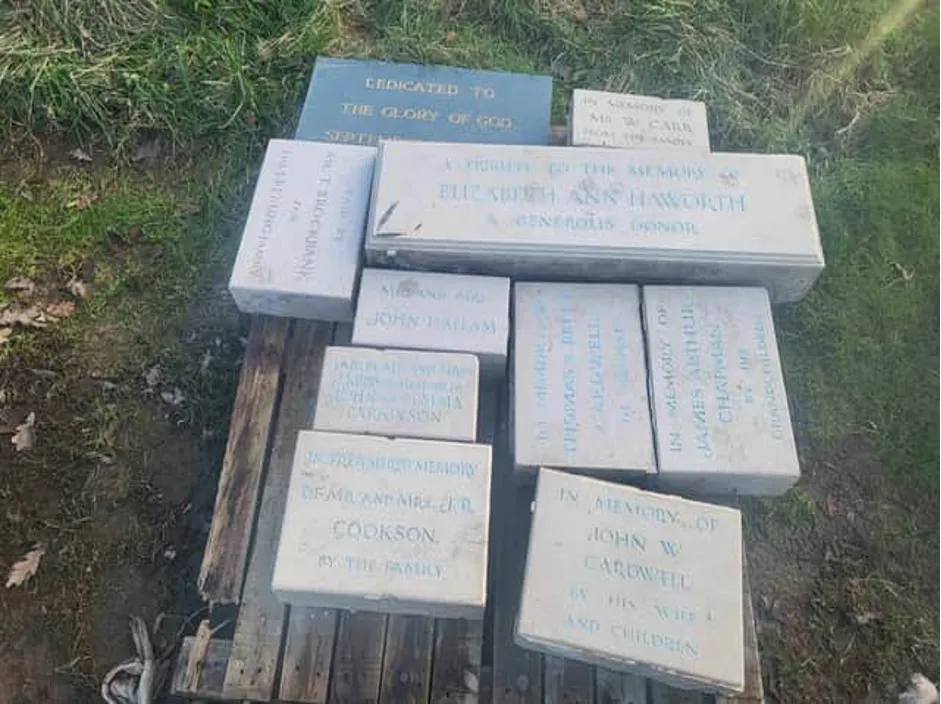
663 694
567 681
619 688
517 673
224 560
456 676
211 674
308 651
256 644
357 658
406 663
199 649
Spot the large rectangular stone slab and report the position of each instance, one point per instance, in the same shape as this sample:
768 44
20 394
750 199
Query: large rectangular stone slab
386 525
398 393
637 581
439 312
596 214
719 403
360 102
579 379
301 247
602 119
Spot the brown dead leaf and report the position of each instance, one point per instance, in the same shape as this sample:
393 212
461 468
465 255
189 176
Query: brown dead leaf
80 155
83 200
21 284
26 567
188 207
5 335
450 36
30 317
25 436
78 288
60 309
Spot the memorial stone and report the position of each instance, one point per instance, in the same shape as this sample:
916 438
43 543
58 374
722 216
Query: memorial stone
439 312
376 524
719 404
360 102
579 379
300 250
633 580
602 119
398 393
596 214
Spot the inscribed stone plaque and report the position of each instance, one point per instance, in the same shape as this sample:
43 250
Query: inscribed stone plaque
386 525
427 311
398 393
720 408
601 119
596 214
300 250
579 379
355 101
633 580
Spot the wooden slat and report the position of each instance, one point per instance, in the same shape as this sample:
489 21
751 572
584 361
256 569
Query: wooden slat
456 678
406 663
662 694
211 674
619 688
224 560
308 651
357 658
567 681
256 644
517 673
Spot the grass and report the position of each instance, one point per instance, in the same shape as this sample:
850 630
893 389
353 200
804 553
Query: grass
851 84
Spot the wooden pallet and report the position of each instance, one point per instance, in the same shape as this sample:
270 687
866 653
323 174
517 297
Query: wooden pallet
254 648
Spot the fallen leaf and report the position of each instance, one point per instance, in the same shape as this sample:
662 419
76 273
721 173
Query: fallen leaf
83 200
907 275
205 362
25 436
5 335
450 36
60 309
152 376
21 284
80 155
867 617
188 207
29 317
78 288
175 398
25 568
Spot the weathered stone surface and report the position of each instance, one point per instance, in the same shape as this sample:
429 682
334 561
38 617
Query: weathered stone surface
398 393
300 250
579 379
719 403
635 580
622 120
360 102
596 214
386 525
441 312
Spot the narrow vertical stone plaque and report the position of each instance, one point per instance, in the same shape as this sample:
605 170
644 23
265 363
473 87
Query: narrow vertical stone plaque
386 525
634 580
360 102
439 312
579 379
398 393
625 121
719 403
619 215
301 246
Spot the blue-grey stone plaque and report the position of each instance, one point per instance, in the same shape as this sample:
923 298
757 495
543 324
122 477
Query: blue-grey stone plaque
359 102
